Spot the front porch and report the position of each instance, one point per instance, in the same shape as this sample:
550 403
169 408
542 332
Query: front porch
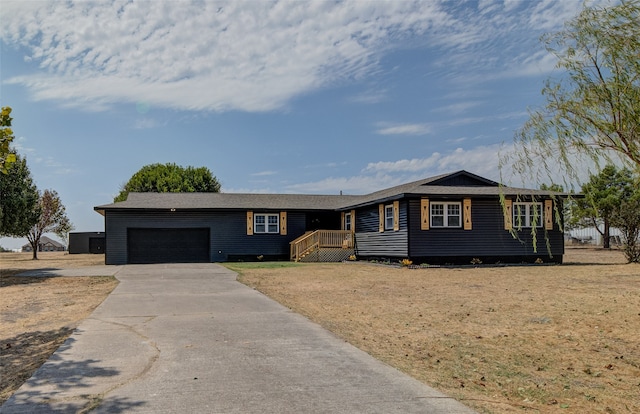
323 246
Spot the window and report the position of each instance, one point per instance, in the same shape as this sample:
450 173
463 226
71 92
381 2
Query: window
527 215
388 217
347 221
445 214
266 223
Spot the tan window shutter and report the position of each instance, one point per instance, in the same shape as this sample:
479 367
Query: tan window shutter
353 220
343 223
381 217
466 213
508 214
548 214
396 215
283 223
424 214
249 223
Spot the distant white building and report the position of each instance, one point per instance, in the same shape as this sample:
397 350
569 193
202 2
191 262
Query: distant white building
591 236
46 245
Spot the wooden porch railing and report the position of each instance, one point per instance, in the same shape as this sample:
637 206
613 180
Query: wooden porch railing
318 239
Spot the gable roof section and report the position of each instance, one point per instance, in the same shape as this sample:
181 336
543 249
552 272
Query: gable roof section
44 240
457 184
454 185
463 178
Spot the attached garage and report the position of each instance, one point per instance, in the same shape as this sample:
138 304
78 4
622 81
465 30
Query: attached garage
211 227
167 245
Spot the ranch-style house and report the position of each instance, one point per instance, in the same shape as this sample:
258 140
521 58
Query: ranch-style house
452 218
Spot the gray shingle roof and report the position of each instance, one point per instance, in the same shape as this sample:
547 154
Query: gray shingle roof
448 192
46 240
230 201
432 186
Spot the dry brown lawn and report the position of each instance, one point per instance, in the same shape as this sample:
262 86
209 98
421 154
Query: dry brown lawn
502 340
38 314
538 339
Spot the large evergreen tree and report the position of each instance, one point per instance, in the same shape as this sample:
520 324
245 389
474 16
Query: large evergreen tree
170 178
18 200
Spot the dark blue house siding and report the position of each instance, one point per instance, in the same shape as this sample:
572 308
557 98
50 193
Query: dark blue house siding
487 240
370 242
228 232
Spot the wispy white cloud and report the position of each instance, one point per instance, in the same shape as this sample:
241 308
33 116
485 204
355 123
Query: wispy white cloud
331 164
264 173
255 56
55 166
405 165
530 64
481 160
246 55
479 119
374 176
369 97
549 15
20 144
360 184
458 108
146 123
457 140
484 160
497 32
248 190
403 129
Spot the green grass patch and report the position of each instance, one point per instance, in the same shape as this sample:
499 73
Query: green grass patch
240 266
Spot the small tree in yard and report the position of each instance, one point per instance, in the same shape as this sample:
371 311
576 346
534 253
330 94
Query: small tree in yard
626 217
603 195
53 219
612 199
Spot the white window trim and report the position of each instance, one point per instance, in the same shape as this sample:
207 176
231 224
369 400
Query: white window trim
529 215
347 221
388 217
266 223
445 214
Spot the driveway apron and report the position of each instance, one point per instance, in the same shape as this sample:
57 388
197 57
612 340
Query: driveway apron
189 338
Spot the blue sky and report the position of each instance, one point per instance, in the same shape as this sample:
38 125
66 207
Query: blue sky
276 97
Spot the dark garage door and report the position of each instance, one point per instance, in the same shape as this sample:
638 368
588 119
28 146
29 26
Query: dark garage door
168 245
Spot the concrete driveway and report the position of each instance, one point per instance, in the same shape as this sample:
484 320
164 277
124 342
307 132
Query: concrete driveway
188 338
